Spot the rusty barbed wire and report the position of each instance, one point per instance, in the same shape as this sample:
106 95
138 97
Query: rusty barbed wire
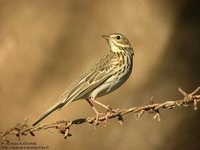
63 126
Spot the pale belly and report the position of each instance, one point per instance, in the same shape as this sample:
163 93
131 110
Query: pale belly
110 85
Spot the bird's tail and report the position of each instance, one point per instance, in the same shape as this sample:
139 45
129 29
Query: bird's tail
52 109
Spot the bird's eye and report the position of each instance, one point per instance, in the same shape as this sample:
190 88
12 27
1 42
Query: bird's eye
118 37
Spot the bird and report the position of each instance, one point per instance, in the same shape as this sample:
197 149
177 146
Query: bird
105 76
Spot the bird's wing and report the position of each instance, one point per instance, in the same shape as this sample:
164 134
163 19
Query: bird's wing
95 77
84 87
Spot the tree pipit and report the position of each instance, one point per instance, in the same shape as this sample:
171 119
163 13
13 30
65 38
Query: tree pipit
105 76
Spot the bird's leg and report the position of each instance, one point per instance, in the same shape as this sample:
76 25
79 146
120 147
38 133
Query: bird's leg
96 112
107 107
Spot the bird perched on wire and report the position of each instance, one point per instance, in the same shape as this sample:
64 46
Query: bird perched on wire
105 76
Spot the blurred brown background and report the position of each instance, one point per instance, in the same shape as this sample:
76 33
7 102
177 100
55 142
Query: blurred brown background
45 45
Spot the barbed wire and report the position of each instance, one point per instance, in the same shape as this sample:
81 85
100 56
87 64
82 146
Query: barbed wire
64 126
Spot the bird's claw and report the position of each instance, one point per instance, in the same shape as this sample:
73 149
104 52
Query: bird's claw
109 111
97 121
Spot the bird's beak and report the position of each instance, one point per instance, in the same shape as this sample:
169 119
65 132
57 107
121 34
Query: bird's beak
105 37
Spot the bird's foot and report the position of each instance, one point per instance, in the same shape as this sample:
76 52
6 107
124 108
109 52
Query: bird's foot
97 121
109 112
107 116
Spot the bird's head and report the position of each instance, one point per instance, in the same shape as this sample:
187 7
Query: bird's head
118 42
